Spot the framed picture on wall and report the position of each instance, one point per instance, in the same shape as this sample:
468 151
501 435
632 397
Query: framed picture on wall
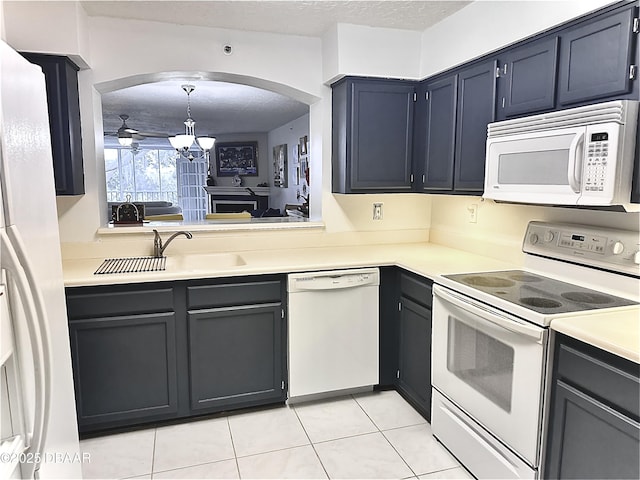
303 146
280 167
237 158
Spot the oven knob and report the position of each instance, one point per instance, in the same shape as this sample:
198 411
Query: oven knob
548 236
618 248
533 238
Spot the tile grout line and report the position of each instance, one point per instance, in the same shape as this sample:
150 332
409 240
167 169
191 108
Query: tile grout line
385 437
396 450
233 445
153 456
295 410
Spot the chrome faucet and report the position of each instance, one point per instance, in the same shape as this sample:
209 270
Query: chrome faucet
159 248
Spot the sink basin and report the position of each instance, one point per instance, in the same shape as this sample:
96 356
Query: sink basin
204 262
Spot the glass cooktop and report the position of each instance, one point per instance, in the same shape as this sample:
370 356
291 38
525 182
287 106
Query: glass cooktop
538 293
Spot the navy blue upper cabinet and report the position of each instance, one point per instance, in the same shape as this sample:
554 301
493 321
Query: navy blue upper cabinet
527 78
372 135
435 133
451 129
596 57
475 109
61 78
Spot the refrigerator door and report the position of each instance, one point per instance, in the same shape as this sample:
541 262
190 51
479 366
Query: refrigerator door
13 428
29 208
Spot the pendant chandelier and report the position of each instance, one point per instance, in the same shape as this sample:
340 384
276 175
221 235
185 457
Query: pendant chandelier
183 143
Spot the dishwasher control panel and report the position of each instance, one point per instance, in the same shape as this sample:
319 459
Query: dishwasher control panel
333 279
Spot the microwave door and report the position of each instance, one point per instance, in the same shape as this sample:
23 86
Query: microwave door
540 167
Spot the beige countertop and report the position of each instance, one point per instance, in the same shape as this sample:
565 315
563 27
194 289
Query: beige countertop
426 259
616 332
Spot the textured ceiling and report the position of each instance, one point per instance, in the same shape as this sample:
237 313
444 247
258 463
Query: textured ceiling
219 107
310 18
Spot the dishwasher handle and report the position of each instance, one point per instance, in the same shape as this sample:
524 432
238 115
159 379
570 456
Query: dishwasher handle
332 281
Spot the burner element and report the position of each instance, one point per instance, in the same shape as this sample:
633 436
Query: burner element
540 302
488 281
587 297
519 277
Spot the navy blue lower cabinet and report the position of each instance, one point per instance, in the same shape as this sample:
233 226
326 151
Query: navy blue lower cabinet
124 369
151 352
594 428
414 360
236 357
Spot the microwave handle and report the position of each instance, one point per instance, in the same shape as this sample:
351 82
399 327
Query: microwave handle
575 163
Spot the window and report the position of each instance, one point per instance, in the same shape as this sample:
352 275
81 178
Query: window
154 174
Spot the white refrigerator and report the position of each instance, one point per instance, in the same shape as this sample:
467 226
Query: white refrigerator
38 428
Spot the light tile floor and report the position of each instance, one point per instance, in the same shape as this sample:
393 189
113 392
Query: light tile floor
371 435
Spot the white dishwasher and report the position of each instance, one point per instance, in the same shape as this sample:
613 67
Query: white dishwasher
333 331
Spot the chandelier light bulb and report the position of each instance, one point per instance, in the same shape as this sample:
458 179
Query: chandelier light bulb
206 143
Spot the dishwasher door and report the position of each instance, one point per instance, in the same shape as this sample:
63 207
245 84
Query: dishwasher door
333 331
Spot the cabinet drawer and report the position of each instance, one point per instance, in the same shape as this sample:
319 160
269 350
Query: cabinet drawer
616 385
118 300
226 294
416 288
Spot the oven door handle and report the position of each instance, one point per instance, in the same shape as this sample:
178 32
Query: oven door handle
490 315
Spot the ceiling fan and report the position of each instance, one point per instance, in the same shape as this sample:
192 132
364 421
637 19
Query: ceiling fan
126 135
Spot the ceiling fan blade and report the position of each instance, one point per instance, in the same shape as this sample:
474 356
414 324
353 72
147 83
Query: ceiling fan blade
153 134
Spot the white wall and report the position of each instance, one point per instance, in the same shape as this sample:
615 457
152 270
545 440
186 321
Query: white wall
127 52
374 52
487 25
288 134
63 24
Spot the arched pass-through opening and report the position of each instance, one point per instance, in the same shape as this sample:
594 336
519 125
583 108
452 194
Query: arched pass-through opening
106 89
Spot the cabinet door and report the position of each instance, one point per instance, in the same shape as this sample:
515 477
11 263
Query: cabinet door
236 356
528 79
381 137
389 326
124 369
475 110
590 440
595 58
63 100
438 134
414 378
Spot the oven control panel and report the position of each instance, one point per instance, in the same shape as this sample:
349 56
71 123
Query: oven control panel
610 249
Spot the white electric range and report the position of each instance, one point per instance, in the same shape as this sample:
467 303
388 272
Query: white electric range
490 347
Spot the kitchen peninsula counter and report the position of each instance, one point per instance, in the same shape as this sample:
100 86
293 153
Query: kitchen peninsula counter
426 259
616 332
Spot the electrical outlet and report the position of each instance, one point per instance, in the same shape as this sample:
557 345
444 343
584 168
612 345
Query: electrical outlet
473 213
377 211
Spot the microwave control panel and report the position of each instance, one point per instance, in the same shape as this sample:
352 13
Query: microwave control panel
609 249
597 156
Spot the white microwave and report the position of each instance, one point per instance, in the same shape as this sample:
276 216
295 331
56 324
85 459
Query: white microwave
579 156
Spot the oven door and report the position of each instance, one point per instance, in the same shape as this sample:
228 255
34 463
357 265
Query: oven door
491 365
